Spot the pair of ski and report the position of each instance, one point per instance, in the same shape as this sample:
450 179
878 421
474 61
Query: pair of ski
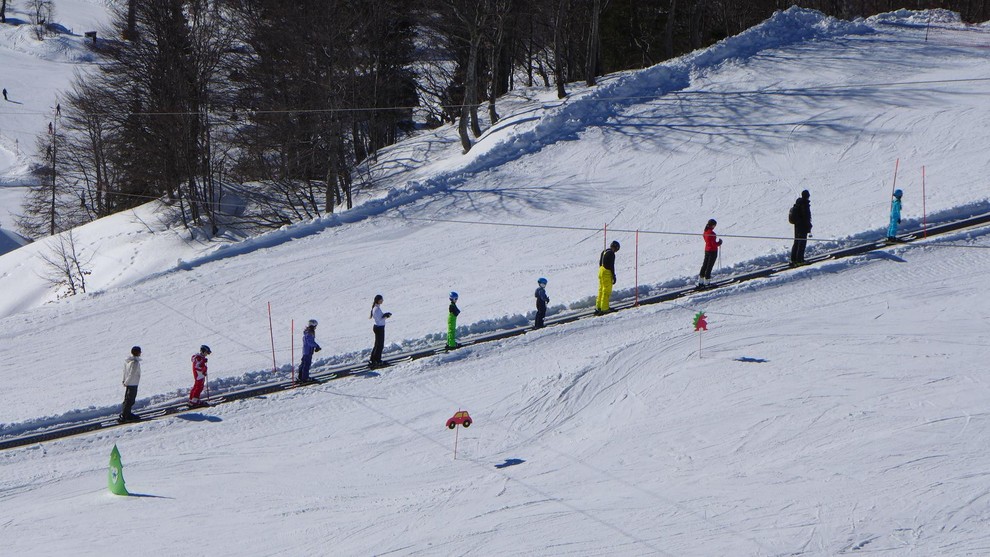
898 240
160 412
203 403
364 367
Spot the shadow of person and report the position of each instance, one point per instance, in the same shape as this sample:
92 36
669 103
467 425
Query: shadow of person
197 417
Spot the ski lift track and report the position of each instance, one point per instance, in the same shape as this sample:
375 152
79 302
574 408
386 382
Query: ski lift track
68 429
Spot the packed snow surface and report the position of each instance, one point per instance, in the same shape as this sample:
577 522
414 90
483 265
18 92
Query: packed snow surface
832 409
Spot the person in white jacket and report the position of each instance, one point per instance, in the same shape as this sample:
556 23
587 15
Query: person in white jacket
132 376
379 329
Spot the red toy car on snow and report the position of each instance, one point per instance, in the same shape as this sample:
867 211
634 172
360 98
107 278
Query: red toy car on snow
460 418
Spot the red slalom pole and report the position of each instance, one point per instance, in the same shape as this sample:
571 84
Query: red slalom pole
637 268
272 331
605 240
894 187
924 211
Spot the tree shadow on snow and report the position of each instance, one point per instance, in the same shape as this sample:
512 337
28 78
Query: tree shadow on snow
749 360
510 462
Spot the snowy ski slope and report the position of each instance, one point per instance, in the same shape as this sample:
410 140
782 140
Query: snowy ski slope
835 409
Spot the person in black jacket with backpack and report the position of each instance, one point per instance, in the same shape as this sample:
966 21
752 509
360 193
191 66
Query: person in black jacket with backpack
606 278
800 217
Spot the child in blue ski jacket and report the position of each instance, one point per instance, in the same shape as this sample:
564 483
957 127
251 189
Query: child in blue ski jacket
541 302
895 215
309 346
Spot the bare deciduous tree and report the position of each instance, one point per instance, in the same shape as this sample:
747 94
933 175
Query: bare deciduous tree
64 267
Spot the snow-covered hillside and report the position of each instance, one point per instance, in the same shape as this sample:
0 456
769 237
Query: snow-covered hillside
837 408
35 73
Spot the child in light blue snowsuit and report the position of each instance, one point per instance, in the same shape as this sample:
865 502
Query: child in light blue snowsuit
895 215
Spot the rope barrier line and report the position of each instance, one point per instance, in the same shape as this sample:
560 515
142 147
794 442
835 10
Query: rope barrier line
549 104
598 229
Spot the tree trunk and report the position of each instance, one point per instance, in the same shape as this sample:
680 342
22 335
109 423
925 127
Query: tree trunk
668 32
496 66
469 105
53 126
130 33
594 44
471 87
462 126
558 37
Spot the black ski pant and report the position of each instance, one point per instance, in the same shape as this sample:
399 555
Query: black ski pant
541 312
304 365
130 395
376 352
708 265
800 243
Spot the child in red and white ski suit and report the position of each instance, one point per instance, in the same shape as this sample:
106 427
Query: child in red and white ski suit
199 373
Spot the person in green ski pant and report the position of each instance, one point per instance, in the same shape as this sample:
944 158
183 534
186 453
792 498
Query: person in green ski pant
453 312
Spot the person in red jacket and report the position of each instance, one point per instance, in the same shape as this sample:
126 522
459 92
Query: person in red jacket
199 374
711 254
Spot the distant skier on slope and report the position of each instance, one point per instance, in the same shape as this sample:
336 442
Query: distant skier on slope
606 277
379 329
309 347
541 302
711 254
199 374
452 312
800 217
132 376
895 216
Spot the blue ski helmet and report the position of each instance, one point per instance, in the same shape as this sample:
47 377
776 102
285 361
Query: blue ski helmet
898 194
542 281
205 349
313 323
453 296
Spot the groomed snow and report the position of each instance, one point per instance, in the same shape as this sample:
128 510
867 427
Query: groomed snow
834 409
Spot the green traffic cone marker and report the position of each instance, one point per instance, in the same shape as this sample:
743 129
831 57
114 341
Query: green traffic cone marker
115 476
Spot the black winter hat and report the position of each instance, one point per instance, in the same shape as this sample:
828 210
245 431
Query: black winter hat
806 194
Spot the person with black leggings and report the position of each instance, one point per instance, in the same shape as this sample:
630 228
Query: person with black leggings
379 328
711 254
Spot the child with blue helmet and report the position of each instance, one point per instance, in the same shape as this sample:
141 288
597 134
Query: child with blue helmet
541 302
895 216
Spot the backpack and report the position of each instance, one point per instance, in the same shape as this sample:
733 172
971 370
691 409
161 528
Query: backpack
792 215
